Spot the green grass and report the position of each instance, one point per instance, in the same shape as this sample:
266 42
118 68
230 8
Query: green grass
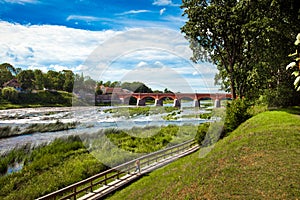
47 169
259 160
39 99
143 140
135 111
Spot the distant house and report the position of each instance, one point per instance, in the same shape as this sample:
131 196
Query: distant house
13 83
110 94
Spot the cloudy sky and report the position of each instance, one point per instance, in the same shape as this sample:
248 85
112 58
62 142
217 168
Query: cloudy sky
116 40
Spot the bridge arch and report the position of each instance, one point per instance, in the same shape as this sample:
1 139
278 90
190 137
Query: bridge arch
140 98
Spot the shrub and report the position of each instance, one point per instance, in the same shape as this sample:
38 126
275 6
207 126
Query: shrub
236 114
10 94
201 132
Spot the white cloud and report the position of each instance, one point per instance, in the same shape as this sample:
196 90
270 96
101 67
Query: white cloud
149 55
81 68
164 3
153 56
42 68
45 45
158 63
134 12
161 12
142 64
181 19
21 1
58 67
83 18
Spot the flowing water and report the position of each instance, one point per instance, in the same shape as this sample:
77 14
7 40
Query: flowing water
90 119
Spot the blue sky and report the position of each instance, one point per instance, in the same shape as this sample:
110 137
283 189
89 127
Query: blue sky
93 14
135 40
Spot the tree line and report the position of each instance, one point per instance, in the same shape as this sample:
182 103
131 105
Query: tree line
64 80
38 80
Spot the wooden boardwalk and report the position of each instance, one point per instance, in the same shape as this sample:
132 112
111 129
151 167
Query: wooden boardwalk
104 183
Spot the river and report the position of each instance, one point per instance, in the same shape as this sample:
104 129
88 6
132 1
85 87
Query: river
91 119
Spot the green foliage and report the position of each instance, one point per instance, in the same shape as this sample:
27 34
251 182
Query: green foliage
48 168
201 132
10 94
236 114
282 96
171 116
143 145
6 73
38 79
296 63
16 155
46 98
26 79
68 80
136 87
9 67
39 99
205 115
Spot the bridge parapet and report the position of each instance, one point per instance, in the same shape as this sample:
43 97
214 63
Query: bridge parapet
177 97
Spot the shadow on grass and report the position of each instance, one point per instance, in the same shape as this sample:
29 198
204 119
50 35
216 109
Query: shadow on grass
292 110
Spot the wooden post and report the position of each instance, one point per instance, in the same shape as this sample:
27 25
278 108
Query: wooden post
74 193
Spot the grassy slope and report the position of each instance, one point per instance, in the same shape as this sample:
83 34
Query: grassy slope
40 99
259 160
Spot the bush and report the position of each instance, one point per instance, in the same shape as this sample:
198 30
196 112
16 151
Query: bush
236 113
283 96
46 98
201 132
10 94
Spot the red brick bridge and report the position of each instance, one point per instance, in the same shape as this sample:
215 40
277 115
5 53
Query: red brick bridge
177 97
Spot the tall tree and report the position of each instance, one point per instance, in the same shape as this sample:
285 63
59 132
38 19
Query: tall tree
26 79
38 79
7 72
5 76
9 67
244 38
54 80
69 80
136 87
214 33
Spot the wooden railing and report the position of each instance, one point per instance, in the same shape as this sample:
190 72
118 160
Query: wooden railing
90 184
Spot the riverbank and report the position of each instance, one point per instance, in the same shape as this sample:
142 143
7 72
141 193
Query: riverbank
65 161
38 99
259 160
